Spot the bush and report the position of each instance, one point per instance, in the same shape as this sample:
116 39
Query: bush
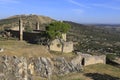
110 56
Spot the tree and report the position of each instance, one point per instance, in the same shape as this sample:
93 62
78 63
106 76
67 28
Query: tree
55 29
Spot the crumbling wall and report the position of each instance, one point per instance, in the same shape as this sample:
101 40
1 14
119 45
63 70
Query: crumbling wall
16 28
58 45
28 36
94 60
64 36
68 47
88 59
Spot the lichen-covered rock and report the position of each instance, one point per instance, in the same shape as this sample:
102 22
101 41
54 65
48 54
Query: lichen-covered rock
14 68
77 63
21 68
64 67
2 76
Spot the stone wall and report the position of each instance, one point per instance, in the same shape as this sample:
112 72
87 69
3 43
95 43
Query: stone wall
60 45
64 36
28 36
95 60
56 45
68 47
21 68
88 59
16 28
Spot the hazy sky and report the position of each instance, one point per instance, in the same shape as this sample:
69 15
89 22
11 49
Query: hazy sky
82 11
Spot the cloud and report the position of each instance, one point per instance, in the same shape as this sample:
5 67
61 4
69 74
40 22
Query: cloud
78 4
8 1
107 6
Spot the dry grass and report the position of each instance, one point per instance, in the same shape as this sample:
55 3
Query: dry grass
67 56
71 76
103 69
21 48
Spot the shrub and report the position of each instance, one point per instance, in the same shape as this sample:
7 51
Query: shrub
110 56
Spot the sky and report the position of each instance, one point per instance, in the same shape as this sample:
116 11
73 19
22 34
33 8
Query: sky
80 11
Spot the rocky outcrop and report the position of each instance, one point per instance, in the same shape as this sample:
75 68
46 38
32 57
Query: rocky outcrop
61 66
13 68
21 68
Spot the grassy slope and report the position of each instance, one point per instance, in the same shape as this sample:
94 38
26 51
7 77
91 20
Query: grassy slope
103 70
23 49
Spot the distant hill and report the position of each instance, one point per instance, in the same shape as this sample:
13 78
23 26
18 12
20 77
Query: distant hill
28 21
93 39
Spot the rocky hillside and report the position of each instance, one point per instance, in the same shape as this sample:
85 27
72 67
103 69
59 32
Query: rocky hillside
28 21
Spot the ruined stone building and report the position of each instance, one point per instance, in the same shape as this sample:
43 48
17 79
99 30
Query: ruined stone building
87 59
56 45
61 45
